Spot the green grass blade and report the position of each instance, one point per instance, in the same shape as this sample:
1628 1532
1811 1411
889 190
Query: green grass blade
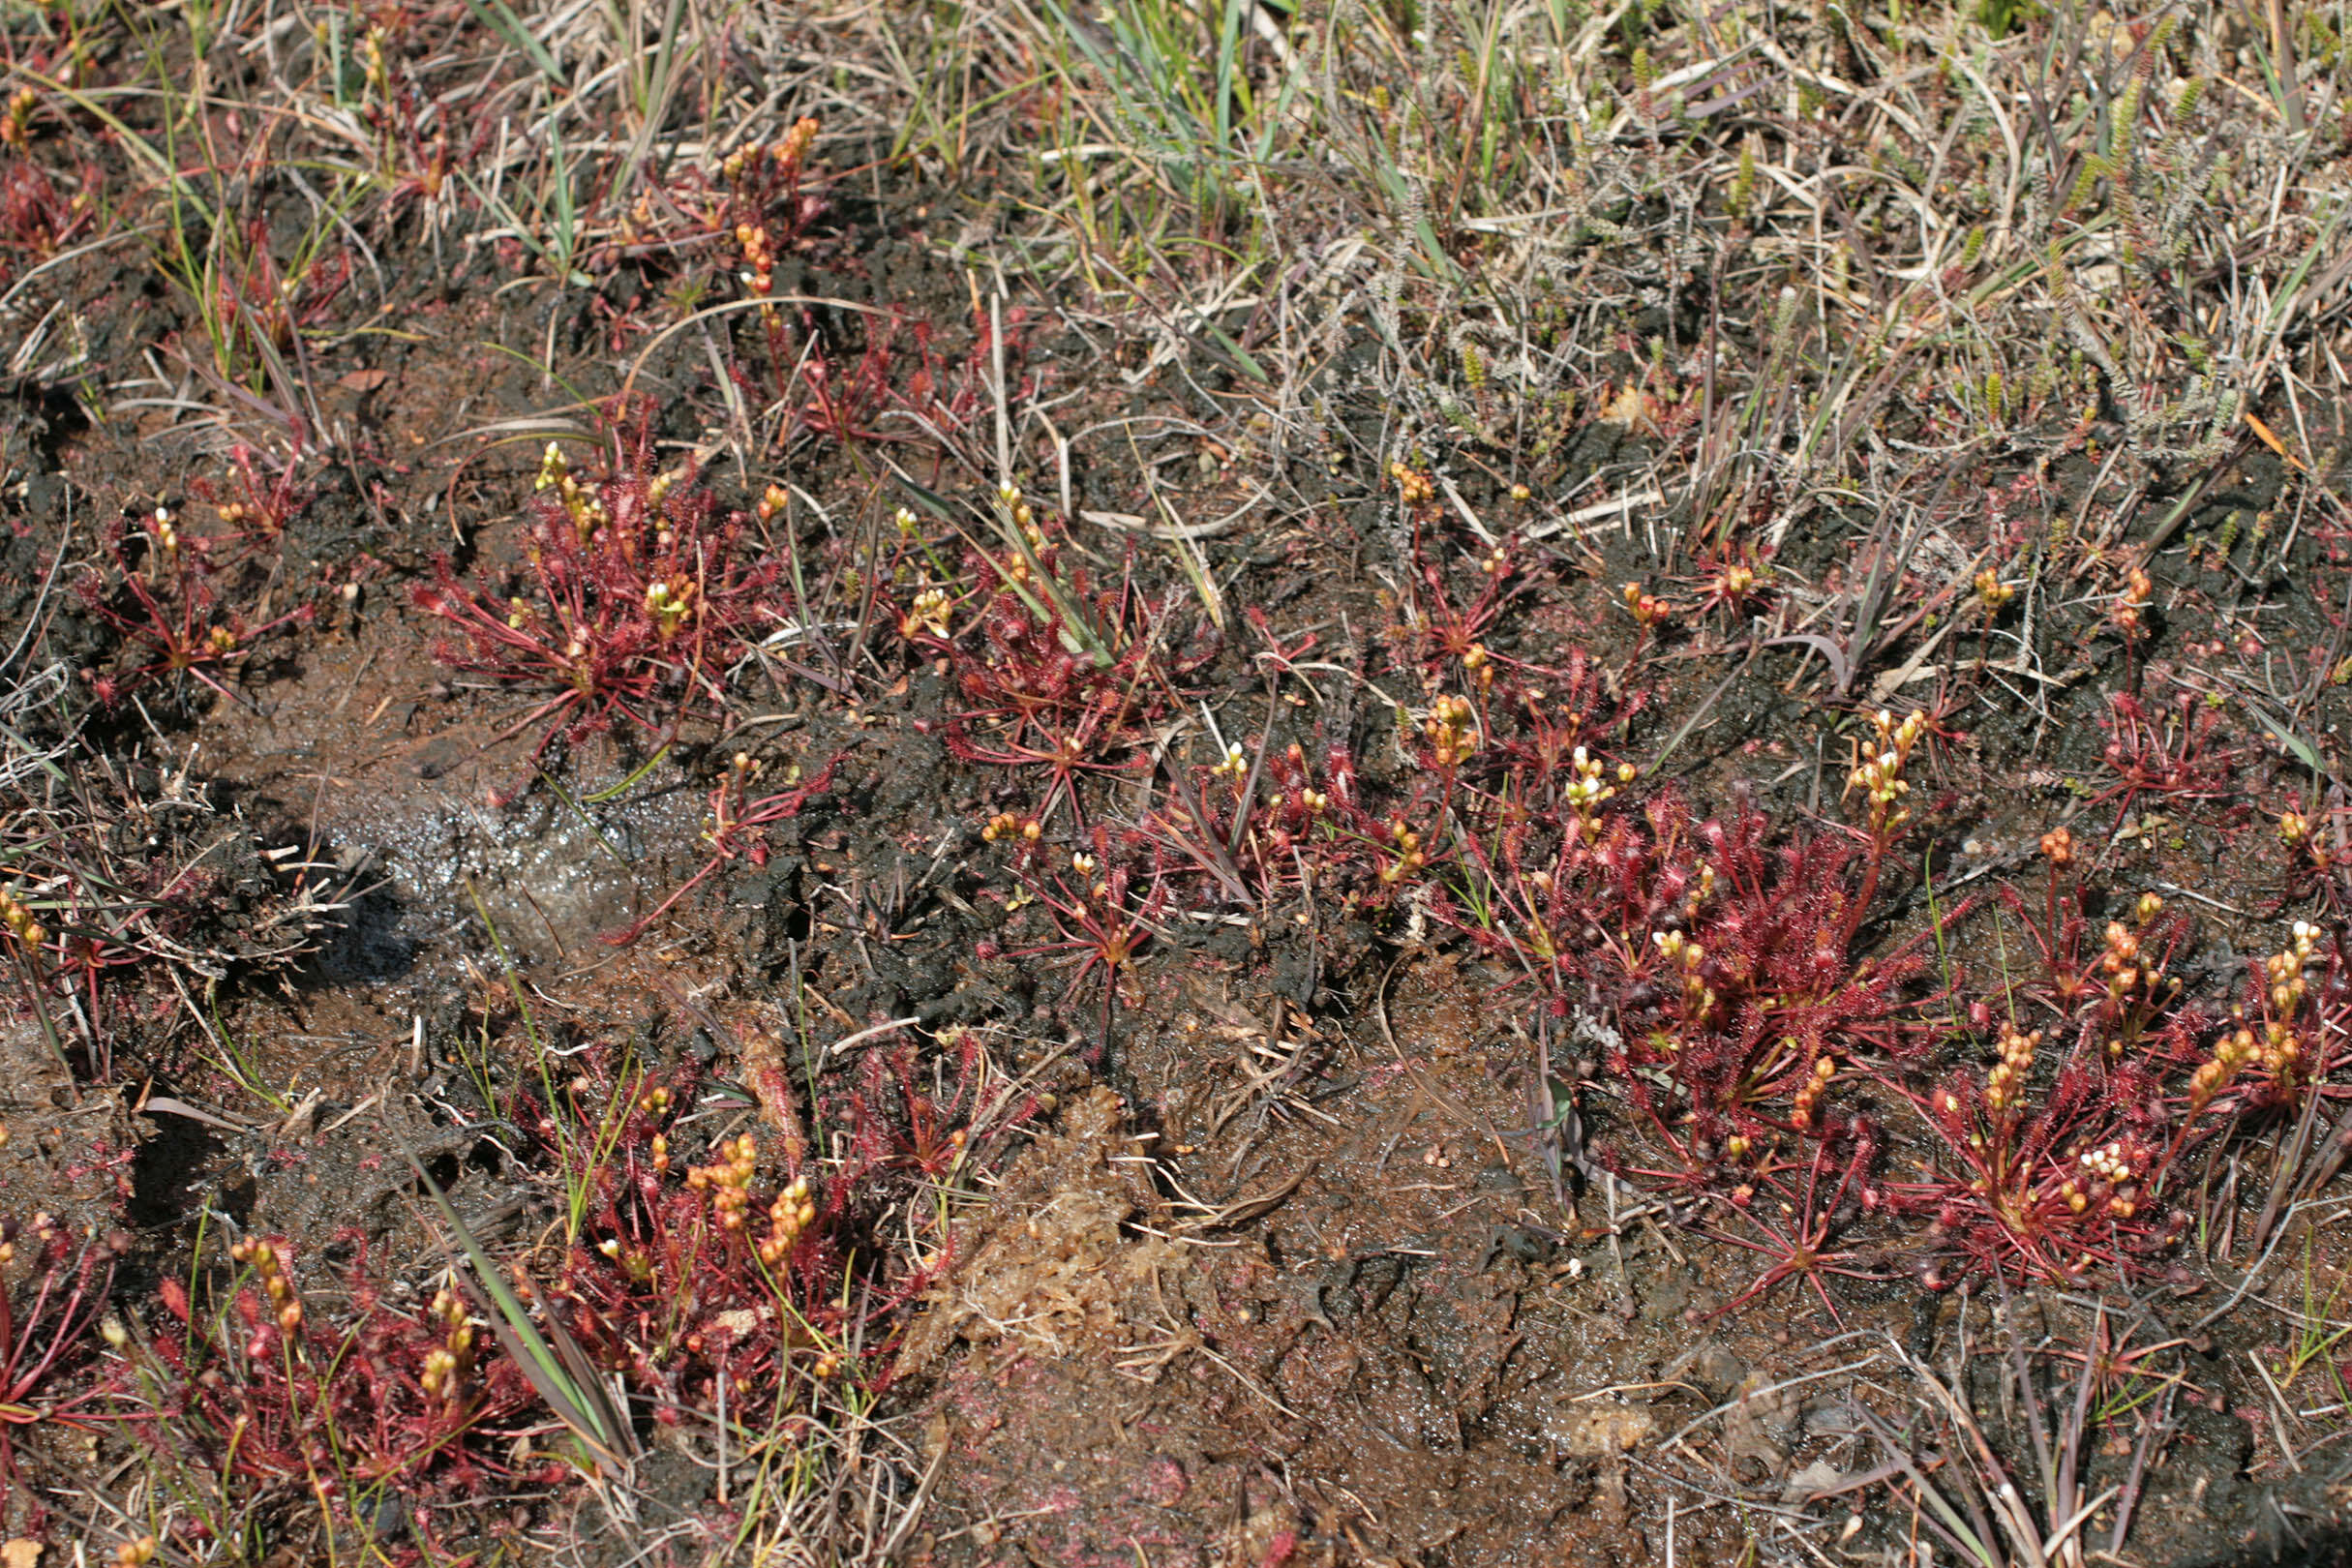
494 15
560 1371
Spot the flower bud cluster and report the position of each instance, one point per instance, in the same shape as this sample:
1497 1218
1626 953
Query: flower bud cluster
634 1261
2213 1074
2132 988
1479 660
2132 603
2104 1179
792 1213
1023 515
1810 1092
1450 729
1413 488
1646 609
1410 857
670 605
16 124
1879 774
2120 964
581 506
927 617
19 920
1586 792
163 529
447 1364
787 154
2283 970
793 150
1681 953
759 273
2006 1080
268 1263
2280 1053
729 1181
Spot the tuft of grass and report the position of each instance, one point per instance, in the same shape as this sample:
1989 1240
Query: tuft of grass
548 1357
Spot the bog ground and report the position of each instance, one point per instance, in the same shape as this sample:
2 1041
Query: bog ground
1232 784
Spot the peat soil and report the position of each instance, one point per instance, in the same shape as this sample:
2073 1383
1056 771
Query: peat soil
1290 1263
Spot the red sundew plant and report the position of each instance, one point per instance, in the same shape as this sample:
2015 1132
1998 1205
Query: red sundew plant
1265 828
1033 677
1735 581
948 394
1102 922
1649 612
2172 757
1379 854
45 1322
1261 828
1572 903
709 1287
851 401
372 1403
1517 723
1065 756
845 398
903 1135
254 507
2286 1039
1799 1225
168 611
2050 1183
1753 1010
2318 852
1729 966
37 218
1536 724
1878 775
272 305
635 600
1042 692
1211 819
2122 988
735 827
668 1277
1096 921
1444 633
755 208
680 1278
751 204
1513 745
873 397
415 166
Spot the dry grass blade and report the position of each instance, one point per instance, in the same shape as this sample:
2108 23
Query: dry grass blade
1990 1494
